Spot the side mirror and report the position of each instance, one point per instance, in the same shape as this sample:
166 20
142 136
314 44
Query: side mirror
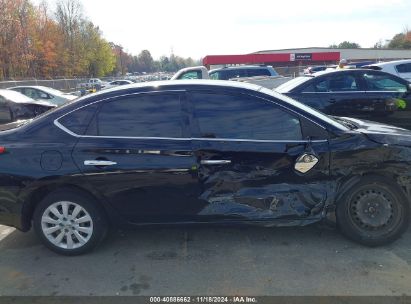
409 86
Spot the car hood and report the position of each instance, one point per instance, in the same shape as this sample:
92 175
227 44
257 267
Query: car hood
381 133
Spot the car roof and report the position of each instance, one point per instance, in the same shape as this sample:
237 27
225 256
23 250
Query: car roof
189 82
41 88
242 67
340 71
391 62
30 86
15 96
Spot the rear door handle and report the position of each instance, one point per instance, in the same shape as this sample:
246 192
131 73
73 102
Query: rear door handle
97 162
332 100
215 162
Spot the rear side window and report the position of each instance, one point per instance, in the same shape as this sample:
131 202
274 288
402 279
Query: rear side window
243 117
383 82
340 83
78 120
191 75
404 68
258 72
144 115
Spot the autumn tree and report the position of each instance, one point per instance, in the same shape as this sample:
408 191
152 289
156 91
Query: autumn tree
345 45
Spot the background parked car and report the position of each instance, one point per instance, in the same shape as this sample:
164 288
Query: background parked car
400 68
16 106
360 93
94 84
314 69
264 76
116 83
200 151
45 93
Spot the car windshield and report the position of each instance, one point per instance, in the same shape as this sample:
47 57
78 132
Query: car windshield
326 118
289 85
52 91
15 96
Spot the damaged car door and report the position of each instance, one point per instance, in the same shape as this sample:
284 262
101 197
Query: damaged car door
257 160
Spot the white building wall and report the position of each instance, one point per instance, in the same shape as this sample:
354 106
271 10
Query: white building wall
351 54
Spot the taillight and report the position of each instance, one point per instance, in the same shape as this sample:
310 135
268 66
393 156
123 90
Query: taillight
2 150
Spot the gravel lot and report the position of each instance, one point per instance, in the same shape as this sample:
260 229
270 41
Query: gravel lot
208 261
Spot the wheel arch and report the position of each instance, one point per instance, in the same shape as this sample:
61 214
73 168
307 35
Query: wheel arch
37 195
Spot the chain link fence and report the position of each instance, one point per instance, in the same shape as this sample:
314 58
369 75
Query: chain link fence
65 85
73 84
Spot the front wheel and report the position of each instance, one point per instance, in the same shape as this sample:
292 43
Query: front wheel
374 212
69 222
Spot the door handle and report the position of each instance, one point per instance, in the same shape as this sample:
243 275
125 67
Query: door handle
332 100
97 162
215 162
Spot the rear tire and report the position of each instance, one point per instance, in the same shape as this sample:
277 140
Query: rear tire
69 222
374 212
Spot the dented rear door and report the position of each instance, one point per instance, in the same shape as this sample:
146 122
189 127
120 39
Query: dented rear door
247 152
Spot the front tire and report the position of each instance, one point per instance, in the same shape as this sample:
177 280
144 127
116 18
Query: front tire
69 222
374 212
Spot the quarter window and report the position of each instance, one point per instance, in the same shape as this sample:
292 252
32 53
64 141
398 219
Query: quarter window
243 117
144 115
78 121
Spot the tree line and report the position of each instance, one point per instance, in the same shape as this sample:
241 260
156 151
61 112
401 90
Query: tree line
40 43
398 41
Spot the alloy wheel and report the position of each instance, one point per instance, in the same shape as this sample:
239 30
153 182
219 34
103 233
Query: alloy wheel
67 225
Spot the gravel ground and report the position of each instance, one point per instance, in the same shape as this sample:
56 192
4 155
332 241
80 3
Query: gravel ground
208 261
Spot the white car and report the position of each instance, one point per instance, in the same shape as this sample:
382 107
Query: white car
45 93
116 83
400 68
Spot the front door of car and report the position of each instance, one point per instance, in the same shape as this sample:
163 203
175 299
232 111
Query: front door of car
392 95
254 161
137 154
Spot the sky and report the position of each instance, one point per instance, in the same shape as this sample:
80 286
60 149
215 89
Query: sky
198 28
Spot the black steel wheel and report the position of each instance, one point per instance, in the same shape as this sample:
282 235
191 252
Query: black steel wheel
373 212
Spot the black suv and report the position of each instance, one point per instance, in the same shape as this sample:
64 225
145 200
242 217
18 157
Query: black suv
200 152
359 93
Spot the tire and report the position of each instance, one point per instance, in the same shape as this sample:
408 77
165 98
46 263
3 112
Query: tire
69 222
374 212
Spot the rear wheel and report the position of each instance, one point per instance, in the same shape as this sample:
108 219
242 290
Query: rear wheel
374 212
69 222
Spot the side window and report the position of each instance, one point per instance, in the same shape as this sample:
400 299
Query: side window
78 121
243 117
404 68
144 115
258 72
382 82
43 95
214 76
31 93
191 75
231 73
336 83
